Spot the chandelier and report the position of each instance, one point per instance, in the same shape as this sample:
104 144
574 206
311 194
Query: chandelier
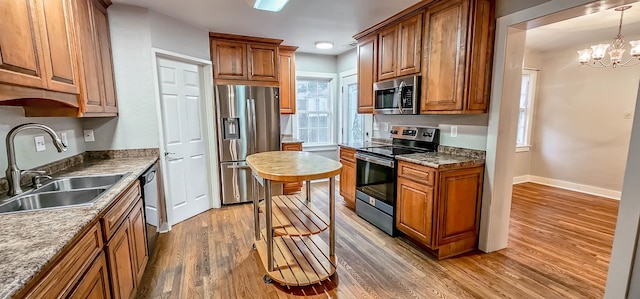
616 49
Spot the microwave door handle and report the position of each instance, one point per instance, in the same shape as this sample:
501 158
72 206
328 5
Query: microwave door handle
400 107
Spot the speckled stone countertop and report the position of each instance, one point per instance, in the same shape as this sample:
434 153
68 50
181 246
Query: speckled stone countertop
359 145
287 140
441 160
30 240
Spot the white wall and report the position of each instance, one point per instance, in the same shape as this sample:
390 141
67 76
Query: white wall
306 62
26 155
348 60
134 32
506 7
175 36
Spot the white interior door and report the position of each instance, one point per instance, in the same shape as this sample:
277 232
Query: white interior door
184 144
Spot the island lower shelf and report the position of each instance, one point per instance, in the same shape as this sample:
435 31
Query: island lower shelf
298 261
294 217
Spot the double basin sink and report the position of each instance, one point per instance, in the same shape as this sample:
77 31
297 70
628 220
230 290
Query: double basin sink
62 192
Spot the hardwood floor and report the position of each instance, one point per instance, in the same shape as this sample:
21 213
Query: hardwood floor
559 247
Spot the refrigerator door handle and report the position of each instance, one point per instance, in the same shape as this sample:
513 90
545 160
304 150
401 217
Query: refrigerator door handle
251 122
238 167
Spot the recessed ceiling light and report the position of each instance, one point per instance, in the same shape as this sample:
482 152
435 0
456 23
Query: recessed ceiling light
268 5
324 45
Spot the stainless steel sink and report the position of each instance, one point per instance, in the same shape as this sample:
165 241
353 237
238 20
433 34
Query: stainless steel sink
62 192
81 182
37 201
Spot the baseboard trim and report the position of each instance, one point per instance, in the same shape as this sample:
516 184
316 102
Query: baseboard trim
608 193
521 179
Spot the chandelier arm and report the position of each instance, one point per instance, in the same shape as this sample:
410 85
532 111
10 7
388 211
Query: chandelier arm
602 63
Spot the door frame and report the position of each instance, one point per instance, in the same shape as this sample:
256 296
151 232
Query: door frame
205 73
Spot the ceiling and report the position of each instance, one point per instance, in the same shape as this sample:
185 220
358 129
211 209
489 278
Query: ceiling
581 32
301 23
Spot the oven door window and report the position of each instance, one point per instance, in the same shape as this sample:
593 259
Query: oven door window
376 181
386 99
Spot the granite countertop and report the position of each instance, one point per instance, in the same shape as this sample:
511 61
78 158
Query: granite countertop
441 160
286 140
30 240
359 145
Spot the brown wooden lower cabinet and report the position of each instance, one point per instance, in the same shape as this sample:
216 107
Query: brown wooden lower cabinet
439 209
97 264
120 252
127 251
291 188
348 176
139 236
94 283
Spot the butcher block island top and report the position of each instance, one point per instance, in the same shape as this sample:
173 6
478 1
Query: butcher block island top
293 166
290 246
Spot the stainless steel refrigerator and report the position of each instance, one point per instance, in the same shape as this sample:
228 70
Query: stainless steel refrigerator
248 123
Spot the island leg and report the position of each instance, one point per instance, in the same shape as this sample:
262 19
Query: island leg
332 216
308 186
256 207
267 214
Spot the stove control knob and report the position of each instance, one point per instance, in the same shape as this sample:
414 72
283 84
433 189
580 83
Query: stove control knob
394 132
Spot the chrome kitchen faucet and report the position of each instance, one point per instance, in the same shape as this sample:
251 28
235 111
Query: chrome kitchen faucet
14 174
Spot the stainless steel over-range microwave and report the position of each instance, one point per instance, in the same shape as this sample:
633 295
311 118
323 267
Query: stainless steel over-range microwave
397 96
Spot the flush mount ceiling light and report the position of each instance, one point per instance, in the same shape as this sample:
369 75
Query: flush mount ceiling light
616 49
268 5
324 45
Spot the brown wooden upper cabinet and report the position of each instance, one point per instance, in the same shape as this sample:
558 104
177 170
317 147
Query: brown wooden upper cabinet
449 43
58 50
245 58
400 49
367 72
36 42
288 79
97 96
457 65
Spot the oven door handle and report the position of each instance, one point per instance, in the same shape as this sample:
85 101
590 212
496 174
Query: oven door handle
375 160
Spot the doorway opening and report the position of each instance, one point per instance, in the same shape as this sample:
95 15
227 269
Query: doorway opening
499 203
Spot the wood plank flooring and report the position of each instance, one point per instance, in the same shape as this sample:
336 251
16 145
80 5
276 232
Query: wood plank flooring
559 247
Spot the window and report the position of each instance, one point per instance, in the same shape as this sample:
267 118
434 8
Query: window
314 115
527 96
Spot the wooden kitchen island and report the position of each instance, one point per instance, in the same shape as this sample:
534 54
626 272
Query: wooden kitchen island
290 247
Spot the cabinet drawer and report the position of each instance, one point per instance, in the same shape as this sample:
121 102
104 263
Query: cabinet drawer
347 154
416 172
67 271
292 147
112 219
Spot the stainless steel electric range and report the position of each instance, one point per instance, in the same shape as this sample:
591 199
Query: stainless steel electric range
376 173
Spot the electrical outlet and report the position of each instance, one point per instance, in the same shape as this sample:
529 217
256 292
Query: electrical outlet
63 138
88 136
40 145
454 131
